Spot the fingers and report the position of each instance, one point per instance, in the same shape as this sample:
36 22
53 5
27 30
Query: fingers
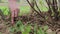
16 12
12 13
12 17
12 20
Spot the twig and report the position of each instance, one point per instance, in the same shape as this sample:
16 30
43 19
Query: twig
37 6
34 9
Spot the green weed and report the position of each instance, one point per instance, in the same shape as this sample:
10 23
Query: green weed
42 30
0 33
24 29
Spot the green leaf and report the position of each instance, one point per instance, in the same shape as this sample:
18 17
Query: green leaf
5 10
27 29
40 31
0 32
43 5
24 10
45 27
19 23
12 29
35 28
19 26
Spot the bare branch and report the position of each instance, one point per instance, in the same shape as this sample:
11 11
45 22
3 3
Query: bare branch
37 6
35 9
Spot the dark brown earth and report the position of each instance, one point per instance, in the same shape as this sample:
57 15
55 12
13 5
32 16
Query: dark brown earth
32 18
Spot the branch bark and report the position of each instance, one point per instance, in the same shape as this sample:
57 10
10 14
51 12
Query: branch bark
34 9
